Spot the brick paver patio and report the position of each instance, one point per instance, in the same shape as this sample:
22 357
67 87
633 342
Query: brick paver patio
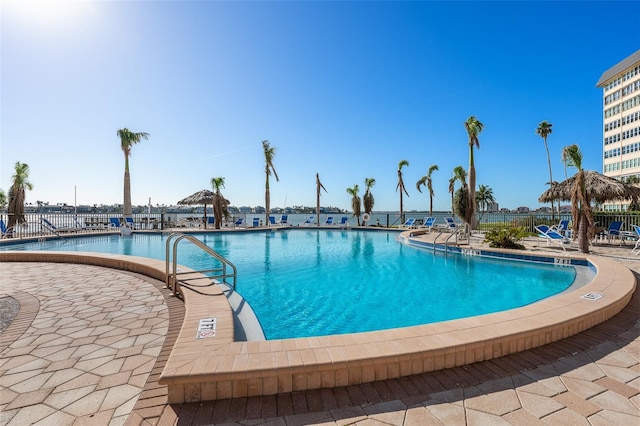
89 343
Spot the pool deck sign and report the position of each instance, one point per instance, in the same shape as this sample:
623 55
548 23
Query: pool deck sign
592 296
206 328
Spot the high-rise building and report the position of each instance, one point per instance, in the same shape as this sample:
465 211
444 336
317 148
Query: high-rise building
621 123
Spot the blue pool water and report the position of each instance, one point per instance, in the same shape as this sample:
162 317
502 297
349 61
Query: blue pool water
313 282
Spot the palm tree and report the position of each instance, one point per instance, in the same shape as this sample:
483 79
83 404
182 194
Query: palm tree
565 160
17 194
459 175
426 180
269 153
3 199
580 206
544 130
367 200
319 186
473 127
219 202
401 186
127 140
355 201
484 197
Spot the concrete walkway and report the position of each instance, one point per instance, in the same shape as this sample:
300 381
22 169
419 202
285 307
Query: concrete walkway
88 345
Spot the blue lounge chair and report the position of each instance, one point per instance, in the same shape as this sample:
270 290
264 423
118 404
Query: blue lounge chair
5 232
562 227
256 222
129 221
272 220
114 222
409 223
309 220
284 220
50 226
238 222
344 221
329 220
614 231
636 248
428 223
211 220
549 235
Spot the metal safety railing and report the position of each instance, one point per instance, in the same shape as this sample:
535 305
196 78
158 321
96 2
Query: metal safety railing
226 269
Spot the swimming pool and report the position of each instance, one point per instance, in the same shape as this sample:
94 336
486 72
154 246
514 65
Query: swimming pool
314 282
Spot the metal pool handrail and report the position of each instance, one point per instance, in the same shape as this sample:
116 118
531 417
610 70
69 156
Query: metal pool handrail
171 273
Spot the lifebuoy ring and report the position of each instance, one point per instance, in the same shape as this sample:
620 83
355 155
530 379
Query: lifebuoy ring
366 217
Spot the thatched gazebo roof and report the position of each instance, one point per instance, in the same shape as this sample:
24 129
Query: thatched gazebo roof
600 188
201 197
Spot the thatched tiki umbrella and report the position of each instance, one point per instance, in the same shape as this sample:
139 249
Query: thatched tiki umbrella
599 188
201 197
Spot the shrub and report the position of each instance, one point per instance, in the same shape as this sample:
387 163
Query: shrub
506 238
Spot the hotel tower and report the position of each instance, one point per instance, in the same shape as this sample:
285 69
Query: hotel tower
621 123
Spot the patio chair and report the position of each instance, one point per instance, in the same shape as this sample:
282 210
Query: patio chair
211 221
4 231
636 247
272 220
329 220
256 221
238 222
114 222
409 223
344 221
562 227
549 235
284 220
614 231
309 220
129 221
428 223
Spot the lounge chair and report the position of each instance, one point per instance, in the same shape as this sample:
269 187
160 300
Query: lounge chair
344 221
256 222
562 227
549 235
428 223
114 222
129 221
272 220
409 223
614 231
238 222
309 220
211 221
636 248
284 220
56 229
4 231
329 220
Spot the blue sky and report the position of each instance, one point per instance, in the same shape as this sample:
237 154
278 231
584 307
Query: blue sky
343 89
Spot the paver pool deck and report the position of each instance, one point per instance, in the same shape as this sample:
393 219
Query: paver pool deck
89 344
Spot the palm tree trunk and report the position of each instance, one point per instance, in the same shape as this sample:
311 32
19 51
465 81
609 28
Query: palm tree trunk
127 194
583 240
553 214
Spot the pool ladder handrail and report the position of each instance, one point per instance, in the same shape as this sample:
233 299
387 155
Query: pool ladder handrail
171 271
446 243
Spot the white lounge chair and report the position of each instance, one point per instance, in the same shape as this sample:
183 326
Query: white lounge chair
428 223
309 220
409 223
549 235
636 248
